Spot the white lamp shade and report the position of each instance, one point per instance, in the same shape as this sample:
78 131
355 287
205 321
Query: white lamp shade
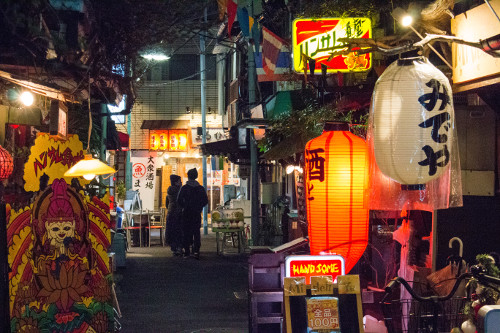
87 167
413 120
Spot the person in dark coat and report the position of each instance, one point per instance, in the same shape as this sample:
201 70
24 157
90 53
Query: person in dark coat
173 232
192 198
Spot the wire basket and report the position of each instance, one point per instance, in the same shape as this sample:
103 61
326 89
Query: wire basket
411 316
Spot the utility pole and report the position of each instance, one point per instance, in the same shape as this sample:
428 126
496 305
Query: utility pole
204 116
254 168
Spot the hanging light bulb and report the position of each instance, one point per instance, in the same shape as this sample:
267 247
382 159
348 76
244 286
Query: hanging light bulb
88 168
26 98
89 176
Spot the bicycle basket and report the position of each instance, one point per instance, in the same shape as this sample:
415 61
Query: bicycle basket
411 316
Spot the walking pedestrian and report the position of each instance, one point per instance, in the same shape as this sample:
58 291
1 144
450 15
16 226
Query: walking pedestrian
173 231
192 198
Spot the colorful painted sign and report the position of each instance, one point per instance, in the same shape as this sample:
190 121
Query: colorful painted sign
171 140
323 313
52 157
317 39
308 266
57 251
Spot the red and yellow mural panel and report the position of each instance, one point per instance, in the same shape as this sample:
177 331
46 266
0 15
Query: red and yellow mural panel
60 275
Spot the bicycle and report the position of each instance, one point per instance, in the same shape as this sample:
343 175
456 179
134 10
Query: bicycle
428 314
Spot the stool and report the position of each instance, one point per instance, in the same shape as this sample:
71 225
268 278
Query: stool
234 234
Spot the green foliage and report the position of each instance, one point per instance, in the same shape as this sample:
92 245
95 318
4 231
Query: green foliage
120 190
482 295
308 122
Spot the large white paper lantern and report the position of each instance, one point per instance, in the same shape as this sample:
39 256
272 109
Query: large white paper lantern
412 118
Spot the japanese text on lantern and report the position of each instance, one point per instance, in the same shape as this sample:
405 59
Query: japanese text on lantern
429 101
171 140
315 165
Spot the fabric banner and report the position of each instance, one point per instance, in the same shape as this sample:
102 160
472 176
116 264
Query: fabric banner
144 166
282 68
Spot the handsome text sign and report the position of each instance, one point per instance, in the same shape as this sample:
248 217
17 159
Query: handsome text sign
307 266
317 39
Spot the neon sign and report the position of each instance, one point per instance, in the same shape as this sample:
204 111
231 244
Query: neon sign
318 39
307 266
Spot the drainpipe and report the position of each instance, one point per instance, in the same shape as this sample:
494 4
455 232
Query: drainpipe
128 164
254 168
104 136
204 118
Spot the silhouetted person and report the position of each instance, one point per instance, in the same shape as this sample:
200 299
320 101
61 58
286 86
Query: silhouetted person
173 232
192 198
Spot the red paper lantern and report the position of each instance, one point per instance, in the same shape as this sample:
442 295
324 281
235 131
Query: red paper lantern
336 176
6 164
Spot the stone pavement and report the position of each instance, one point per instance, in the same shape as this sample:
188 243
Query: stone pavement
159 292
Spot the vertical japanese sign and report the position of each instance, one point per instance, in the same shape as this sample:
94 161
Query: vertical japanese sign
317 39
144 178
300 194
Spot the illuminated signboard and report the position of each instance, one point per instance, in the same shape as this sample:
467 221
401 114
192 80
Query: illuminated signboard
172 140
307 266
317 39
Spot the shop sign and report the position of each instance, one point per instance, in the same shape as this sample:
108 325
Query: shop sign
144 173
323 313
470 63
318 38
308 266
213 134
171 140
52 157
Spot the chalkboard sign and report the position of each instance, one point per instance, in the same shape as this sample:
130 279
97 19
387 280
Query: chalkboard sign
323 306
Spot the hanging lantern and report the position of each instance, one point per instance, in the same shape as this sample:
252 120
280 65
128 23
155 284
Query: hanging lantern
174 141
154 142
6 164
162 145
182 141
413 119
336 175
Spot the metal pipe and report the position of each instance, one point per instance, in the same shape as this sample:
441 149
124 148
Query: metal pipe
204 118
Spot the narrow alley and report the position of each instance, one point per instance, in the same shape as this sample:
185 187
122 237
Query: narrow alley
159 292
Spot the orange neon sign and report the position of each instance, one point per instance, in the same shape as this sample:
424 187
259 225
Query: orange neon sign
318 39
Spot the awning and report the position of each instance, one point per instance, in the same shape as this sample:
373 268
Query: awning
222 147
229 148
286 148
283 103
164 124
124 140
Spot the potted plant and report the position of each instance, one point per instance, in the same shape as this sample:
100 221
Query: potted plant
120 192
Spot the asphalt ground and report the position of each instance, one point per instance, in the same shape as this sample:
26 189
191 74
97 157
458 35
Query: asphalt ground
160 292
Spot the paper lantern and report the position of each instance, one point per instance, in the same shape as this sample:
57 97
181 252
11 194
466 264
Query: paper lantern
413 117
154 141
182 141
336 176
163 143
6 163
174 141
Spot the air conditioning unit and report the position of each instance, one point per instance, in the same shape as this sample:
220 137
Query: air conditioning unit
234 93
232 114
